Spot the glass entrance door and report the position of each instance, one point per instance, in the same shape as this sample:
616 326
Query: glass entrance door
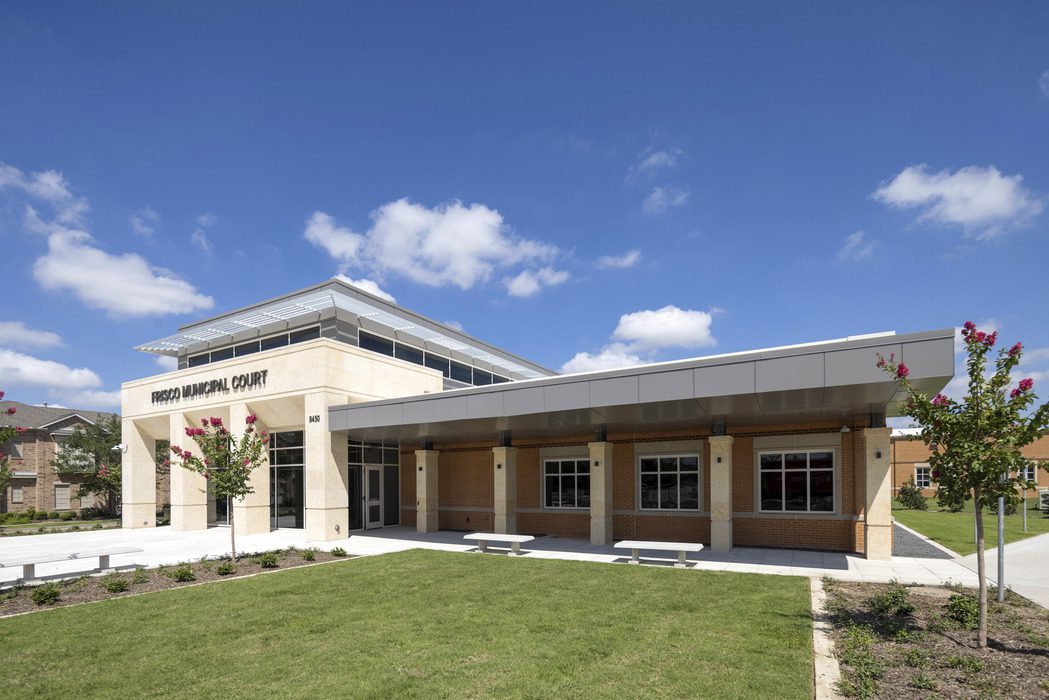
286 480
356 498
373 486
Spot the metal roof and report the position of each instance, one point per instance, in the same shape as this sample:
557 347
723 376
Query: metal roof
399 323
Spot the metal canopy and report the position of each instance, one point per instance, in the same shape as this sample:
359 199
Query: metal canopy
829 380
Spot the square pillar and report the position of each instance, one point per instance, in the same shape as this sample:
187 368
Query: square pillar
877 516
138 477
426 490
251 514
504 465
189 490
326 471
721 493
600 492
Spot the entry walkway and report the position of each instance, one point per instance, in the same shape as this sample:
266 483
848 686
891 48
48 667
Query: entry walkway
1026 567
163 545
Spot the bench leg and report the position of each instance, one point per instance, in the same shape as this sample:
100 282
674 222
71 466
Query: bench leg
482 546
515 549
103 562
634 556
681 560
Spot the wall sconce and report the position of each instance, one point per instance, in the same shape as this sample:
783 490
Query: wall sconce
877 454
597 463
498 466
337 529
719 460
846 429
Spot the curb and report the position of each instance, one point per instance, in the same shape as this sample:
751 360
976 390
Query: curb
825 669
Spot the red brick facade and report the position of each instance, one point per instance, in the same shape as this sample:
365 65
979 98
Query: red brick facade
907 453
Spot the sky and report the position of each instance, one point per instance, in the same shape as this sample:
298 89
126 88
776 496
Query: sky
588 185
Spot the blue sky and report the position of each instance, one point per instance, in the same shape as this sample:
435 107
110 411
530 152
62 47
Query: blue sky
584 184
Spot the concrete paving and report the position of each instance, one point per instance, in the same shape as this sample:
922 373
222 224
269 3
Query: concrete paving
163 545
1026 567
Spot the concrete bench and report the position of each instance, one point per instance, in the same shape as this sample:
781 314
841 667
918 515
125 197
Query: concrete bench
682 548
28 564
483 538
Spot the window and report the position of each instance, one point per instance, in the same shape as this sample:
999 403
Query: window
922 479
375 343
1030 472
441 364
198 360
61 497
566 483
408 353
277 341
16 494
462 373
670 482
246 349
797 481
13 449
304 335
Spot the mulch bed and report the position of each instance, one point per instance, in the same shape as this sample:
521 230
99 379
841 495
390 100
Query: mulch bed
930 652
93 587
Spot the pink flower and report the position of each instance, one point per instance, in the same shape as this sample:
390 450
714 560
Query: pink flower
940 400
206 475
2 456
1014 393
902 371
936 474
11 410
991 339
881 362
250 419
246 461
1 394
969 326
1016 350
1026 384
216 422
186 454
19 429
204 422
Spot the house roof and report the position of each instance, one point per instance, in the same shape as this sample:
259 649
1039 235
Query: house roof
42 417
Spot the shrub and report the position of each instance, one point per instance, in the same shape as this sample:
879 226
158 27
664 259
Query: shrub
140 575
68 515
968 664
267 560
309 554
893 602
42 515
54 515
74 528
856 651
183 573
226 568
964 609
115 583
910 496
923 682
917 658
47 594
1010 508
338 552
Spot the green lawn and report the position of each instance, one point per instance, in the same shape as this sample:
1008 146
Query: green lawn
429 624
955 530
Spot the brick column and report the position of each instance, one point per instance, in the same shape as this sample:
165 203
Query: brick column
251 515
721 493
326 471
877 539
189 496
138 477
504 465
600 492
426 490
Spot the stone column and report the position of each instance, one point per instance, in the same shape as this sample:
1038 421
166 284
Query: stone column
504 464
189 495
878 507
138 477
600 492
251 515
426 490
721 493
326 471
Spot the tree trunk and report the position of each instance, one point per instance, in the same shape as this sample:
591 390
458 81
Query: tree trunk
981 567
232 539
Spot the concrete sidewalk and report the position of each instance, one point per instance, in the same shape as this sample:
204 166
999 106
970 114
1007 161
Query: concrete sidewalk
1026 567
163 545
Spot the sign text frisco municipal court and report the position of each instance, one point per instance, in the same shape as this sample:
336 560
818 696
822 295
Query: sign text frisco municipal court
238 382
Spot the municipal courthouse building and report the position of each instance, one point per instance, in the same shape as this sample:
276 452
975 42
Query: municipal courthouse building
381 417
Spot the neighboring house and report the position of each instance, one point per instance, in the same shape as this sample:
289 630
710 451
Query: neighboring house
910 460
34 483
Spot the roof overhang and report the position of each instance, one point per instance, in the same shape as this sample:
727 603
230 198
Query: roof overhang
829 380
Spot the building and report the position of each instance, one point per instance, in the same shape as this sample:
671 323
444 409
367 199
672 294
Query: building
34 484
910 460
382 417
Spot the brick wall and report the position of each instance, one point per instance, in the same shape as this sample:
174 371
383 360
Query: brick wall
906 453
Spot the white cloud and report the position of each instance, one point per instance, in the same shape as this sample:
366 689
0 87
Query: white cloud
660 199
144 222
369 286
857 247
167 363
49 186
651 161
201 241
206 220
619 262
454 325
450 244
530 282
1043 84
17 334
640 335
92 399
981 200
17 369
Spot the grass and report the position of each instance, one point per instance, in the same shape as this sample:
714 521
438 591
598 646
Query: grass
955 530
429 624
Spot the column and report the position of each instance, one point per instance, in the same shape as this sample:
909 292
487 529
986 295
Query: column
600 492
138 477
504 463
251 515
721 493
426 490
878 507
326 471
189 490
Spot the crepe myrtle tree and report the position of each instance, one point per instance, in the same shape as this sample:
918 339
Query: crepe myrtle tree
92 454
225 461
6 433
975 442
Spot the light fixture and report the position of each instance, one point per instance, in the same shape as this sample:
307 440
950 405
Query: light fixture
846 429
121 448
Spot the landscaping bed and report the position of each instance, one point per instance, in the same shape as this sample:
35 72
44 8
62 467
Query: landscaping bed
897 641
124 582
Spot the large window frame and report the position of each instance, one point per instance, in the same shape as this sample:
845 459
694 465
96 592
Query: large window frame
646 470
922 476
568 467
1030 472
808 471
